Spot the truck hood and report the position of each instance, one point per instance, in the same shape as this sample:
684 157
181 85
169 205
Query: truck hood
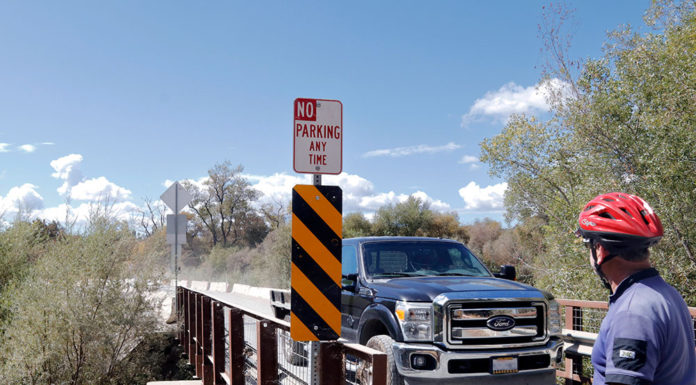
427 288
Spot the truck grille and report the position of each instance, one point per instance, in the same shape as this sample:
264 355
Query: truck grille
488 324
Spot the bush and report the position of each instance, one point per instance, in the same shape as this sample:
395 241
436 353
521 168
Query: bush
80 310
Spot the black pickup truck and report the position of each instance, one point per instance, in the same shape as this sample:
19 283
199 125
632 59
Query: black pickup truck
442 317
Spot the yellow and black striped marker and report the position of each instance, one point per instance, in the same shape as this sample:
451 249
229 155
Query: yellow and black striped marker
317 226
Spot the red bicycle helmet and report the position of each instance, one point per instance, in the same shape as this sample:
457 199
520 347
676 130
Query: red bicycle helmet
620 222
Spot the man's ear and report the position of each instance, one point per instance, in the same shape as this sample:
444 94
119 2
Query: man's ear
601 253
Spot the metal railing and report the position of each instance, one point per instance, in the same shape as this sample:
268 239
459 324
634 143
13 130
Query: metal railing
230 345
582 321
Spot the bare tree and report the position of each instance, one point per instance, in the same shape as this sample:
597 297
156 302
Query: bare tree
224 203
151 218
275 213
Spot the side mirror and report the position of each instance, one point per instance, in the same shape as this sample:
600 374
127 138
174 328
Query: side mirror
349 282
507 272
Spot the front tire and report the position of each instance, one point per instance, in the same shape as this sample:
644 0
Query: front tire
384 344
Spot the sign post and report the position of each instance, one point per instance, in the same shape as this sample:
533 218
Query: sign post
176 198
317 222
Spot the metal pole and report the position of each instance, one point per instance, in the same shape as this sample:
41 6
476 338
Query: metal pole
317 179
176 247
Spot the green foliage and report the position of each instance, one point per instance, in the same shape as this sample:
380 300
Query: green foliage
407 218
628 126
154 251
446 225
356 225
273 258
413 217
78 310
20 245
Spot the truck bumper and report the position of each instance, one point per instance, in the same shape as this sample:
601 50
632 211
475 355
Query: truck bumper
536 364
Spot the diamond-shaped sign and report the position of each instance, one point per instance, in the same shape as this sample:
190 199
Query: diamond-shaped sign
176 197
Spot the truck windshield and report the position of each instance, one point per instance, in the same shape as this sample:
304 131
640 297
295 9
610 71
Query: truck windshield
420 258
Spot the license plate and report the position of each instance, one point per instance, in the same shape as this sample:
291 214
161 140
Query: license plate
502 365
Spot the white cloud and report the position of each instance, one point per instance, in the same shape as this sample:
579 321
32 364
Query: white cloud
472 161
277 187
79 215
352 185
75 186
375 201
98 188
28 148
436 205
4 147
411 150
68 169
468 159
23 198
489 198
358 192
196 182
512 98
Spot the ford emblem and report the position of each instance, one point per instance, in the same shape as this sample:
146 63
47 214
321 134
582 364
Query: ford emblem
500 323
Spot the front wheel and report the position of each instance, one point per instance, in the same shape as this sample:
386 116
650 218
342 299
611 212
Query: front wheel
384 344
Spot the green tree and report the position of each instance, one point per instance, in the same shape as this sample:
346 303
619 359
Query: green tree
356 225
625 123
408 218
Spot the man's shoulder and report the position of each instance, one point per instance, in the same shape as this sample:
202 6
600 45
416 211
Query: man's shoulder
645 298
651 300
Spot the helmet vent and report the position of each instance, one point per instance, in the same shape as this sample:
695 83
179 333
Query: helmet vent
590 207
606 215
642 214
608 200
626 211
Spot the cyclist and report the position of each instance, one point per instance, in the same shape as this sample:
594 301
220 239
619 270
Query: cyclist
647 336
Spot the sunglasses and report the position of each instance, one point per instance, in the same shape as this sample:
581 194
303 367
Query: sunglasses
585 241
588 243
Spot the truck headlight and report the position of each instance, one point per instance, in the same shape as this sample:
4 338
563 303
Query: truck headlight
416 320
554 318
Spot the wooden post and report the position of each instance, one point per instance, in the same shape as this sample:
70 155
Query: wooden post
331 363
236 342
199 324
379 369
206 342
192 327
218 348
569 310
183 334
266 353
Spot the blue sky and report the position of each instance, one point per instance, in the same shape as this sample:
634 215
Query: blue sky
122 97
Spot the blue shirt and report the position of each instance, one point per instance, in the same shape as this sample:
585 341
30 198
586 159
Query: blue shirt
647 336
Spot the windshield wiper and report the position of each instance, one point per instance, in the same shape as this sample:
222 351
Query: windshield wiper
395 275
454 275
